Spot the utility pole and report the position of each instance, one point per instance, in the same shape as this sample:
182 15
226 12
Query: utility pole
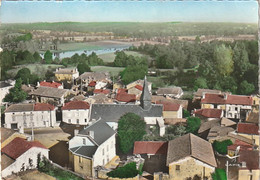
227 169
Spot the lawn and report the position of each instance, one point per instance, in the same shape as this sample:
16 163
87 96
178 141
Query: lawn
113 70
109 57
39 69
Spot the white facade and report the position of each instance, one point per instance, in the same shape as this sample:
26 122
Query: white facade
21 120
100 85
234 110
28 160
76 116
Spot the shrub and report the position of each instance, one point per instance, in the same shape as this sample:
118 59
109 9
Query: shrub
193 124
219 174
127 171
221 146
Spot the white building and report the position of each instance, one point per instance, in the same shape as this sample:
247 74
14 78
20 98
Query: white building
21 155
94 146
174 92
76 112
20 116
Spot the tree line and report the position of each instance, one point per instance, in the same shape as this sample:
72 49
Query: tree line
227 66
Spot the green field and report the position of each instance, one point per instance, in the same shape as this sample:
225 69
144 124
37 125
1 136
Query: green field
113 70
78 46
39 69
110 57
141 29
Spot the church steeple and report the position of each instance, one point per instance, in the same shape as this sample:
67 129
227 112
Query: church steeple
145 99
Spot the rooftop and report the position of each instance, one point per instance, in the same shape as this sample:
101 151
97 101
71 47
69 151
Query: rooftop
95 76
4 84
209 113
49 92
169 106
50 84
124 97
139 87
18 146
101 91
190 145
247 128
66 71
43 107
30 107
150 147
251 157
75 105
200 92
169 90
87 151
208 125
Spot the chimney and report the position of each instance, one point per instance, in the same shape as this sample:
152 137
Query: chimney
225 96
203 95
76 131
91 134
38 84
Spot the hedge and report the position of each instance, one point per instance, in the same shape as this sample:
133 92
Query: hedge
127 171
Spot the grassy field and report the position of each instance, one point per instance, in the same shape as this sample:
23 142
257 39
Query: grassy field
78 46
113 70
141 29
109 57
39 69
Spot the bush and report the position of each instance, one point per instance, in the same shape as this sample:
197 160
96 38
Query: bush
127 171
185 113
193 124
219 174
221 146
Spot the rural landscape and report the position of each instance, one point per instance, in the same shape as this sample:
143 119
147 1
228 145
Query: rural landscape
175 100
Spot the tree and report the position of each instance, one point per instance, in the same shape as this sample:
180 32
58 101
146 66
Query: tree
246 88
120 59
185 113
221 146
193 124
200 83
24 74
94 60
133 73
219 174
83 67
37 57
131 128
48 57
16 94
224 60
7 60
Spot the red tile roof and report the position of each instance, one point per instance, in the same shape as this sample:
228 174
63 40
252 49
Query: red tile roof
209 113
50 84
169 106
139 87
247 128
18 146
124 97
150 147
121 91
251 157
101 91
75 105
243 145
92 83
43 107
231 99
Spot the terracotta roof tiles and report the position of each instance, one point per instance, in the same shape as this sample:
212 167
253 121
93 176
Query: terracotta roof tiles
150 147
50 84
75 105
124 97
209 113
247 128
169 106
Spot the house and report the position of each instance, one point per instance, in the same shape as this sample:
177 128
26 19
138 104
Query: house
238 146
124 98
249 130
101 91
20 116
50 95
4 89
219 133
249 160
183 103
228 123
99 99
234 106
190 156
173 92
206 126
135 90
117 85
154 153
7 135
200 92
171 110
65 74
50 84
140 83
208 114
21 155
76 112
91 147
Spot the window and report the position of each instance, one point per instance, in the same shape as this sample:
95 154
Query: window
84 141
77 121
85 120
235 108
103 162
107 148
178 167
80 159
215 105
103 151
69 120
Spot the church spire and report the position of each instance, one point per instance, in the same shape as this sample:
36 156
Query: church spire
145 99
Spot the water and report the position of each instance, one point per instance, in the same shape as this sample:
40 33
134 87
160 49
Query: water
88 52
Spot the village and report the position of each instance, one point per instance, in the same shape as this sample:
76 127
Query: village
98 128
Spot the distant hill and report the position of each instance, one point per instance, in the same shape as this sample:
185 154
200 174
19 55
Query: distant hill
141 29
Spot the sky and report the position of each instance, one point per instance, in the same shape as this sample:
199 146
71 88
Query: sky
129 11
